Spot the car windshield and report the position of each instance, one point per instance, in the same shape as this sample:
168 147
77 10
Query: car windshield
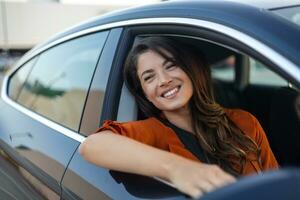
290 13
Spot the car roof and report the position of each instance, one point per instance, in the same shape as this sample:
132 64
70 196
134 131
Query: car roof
269 4
256 22
222 11
265 4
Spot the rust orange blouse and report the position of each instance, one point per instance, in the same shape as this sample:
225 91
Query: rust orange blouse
153 132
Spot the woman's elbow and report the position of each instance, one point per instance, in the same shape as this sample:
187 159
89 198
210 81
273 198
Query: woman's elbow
95 147
85 147
82 148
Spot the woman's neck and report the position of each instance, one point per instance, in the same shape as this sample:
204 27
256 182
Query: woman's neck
181 118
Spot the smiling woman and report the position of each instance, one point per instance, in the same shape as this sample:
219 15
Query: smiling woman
204 145
174 86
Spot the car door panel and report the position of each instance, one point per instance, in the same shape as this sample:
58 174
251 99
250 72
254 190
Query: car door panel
40 150
87 181
13 185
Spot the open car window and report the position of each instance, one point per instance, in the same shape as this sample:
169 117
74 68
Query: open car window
243 82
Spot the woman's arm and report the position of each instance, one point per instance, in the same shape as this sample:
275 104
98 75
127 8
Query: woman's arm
120 153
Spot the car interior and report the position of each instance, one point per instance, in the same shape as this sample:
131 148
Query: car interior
277 107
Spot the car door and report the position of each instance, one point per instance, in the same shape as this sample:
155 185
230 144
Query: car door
41 108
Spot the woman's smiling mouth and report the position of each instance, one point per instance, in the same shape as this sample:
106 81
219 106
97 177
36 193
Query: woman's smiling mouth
171 93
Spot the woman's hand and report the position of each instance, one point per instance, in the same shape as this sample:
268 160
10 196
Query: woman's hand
195 178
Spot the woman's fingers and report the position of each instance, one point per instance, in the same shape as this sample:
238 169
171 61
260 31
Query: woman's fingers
229 178
218 177
195 179
206 186
211 183
200 189
195 193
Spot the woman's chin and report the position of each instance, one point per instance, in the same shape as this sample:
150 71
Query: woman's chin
174 107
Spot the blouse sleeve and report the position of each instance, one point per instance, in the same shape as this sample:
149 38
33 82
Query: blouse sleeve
268 159
250 126
145 131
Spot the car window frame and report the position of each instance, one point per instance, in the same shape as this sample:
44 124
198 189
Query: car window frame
200 33
118 89
107 59
32 55
80 42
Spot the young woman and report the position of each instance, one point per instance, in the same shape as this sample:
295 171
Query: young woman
188 139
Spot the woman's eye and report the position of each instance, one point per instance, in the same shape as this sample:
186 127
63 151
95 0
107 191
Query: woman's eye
170 66
148 78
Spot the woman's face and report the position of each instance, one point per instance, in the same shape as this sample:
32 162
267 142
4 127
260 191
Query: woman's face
166 85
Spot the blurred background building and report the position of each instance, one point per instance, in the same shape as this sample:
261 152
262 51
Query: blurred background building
25 23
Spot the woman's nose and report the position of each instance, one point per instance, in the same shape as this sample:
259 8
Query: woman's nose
164 79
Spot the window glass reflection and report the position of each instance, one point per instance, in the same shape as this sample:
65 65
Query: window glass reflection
59 82
16 83
261 75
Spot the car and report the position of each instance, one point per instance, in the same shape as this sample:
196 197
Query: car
61 91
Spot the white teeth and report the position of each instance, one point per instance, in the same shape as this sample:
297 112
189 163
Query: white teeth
170 93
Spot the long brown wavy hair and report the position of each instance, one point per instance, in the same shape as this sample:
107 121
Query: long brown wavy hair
222 141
